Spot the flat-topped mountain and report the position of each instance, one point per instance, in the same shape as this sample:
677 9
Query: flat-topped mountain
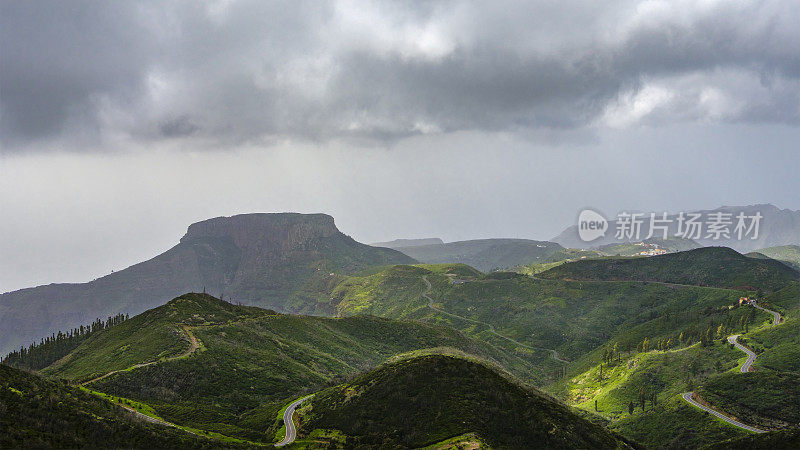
257 259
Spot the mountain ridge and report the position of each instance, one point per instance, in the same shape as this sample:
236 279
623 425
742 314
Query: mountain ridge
778 227
262 259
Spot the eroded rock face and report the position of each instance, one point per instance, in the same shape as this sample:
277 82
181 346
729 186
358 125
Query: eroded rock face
258 259
289 230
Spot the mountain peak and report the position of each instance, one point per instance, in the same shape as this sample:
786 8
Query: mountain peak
244 229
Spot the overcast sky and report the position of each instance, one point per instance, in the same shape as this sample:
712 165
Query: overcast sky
123 122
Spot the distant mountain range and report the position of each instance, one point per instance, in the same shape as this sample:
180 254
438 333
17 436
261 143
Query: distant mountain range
402 243
258 259
777 227
482 254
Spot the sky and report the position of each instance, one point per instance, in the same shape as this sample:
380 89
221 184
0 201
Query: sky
123 122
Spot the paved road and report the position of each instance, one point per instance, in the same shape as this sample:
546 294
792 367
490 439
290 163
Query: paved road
776 317
288 419
688 397
750 355
491 327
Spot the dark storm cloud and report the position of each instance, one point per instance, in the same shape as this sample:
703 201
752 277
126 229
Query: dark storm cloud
232 72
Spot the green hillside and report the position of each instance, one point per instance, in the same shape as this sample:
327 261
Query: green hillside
556 259
764 398
247 361
708 266
672 244
485 254
652 382
39 413
152 336
775 440
767 398
287 262
424 400
571 316
788 254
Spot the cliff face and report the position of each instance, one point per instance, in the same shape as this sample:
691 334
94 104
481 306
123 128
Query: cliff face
259 259
253 231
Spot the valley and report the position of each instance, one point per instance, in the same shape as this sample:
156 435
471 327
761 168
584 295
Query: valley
681 350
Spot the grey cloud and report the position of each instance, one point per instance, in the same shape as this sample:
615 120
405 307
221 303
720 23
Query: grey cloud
249 71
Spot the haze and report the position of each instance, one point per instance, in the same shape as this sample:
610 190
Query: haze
122 123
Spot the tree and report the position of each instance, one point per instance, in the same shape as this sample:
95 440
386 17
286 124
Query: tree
631 407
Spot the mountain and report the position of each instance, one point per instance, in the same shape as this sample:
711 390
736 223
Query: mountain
777 227
423 400
402 243
708 266
640 390
533 316
204 363
260 259
39 413
789 254
632 249
774 440
484 254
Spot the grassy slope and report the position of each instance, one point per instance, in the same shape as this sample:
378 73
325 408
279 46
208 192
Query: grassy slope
708 266
577 317
38 413
776 440
401 404
768 397
251 362
665 374
151 336
556 259
572 317
630 249
789 254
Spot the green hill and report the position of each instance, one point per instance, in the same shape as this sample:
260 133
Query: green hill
788 254
484 254
153 336
775 440
653 382
573 317
207 364
708 266
39 413
424 400
279 261
672 244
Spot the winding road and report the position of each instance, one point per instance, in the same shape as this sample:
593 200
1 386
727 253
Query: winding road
490 326
688 396
288 420
733 339
750 355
